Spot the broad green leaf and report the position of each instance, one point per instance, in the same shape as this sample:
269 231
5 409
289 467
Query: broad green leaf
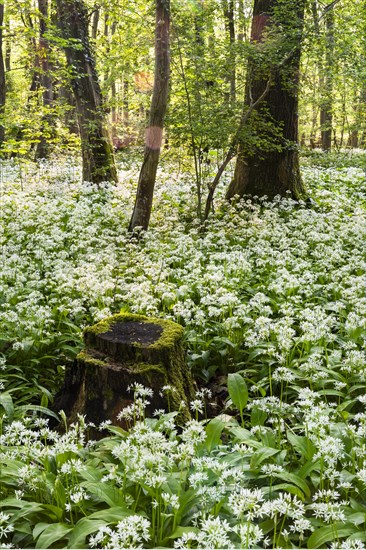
213 433
284 487
84 528
39 528
329 533
6 401
117 430
302 444
258 417
296 480
357 518
261 455
187 502
38 408
238 390
59 493
245 436
52 533
54 512
113 496
112 515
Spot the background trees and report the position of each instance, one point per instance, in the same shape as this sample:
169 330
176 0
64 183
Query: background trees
212 59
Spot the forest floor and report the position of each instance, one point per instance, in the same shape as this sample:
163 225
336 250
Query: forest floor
271 294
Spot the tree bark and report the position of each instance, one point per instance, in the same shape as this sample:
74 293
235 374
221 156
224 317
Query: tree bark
230 29
7 46
275 171
154 133
121 351
326 110
2 76
95 22
42 148
96 147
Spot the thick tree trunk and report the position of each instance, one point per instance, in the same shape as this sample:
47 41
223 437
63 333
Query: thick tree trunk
275 171
2 76
326 111
154 133
97 152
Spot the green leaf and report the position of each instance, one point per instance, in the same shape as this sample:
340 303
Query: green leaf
38 408
52 533
245 436
285 487
261 455
6 402
112 515
357 518
213 433
84 528
329 533
39 528
302 444
113 496
296 480
258 417
238 390
179 532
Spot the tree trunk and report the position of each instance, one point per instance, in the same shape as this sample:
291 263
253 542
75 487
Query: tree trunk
96 147
95 22
241 21
121 351
2 76
326 112
45 81
7 46
230 29
154 133
275 170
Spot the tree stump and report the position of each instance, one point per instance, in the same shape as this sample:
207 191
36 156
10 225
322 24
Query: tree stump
120 351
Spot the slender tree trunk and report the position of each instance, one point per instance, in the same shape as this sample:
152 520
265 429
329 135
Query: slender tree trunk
7 46
96 147
262 172
95 22
241 21
326 112
2 77
230 29
45 81
154 133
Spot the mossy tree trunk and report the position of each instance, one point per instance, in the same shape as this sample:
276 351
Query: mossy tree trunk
272 170
120 351
97 151
154 133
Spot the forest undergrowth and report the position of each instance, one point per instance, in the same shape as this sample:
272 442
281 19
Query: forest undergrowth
272 298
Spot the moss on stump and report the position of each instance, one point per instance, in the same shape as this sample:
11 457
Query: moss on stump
120 351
